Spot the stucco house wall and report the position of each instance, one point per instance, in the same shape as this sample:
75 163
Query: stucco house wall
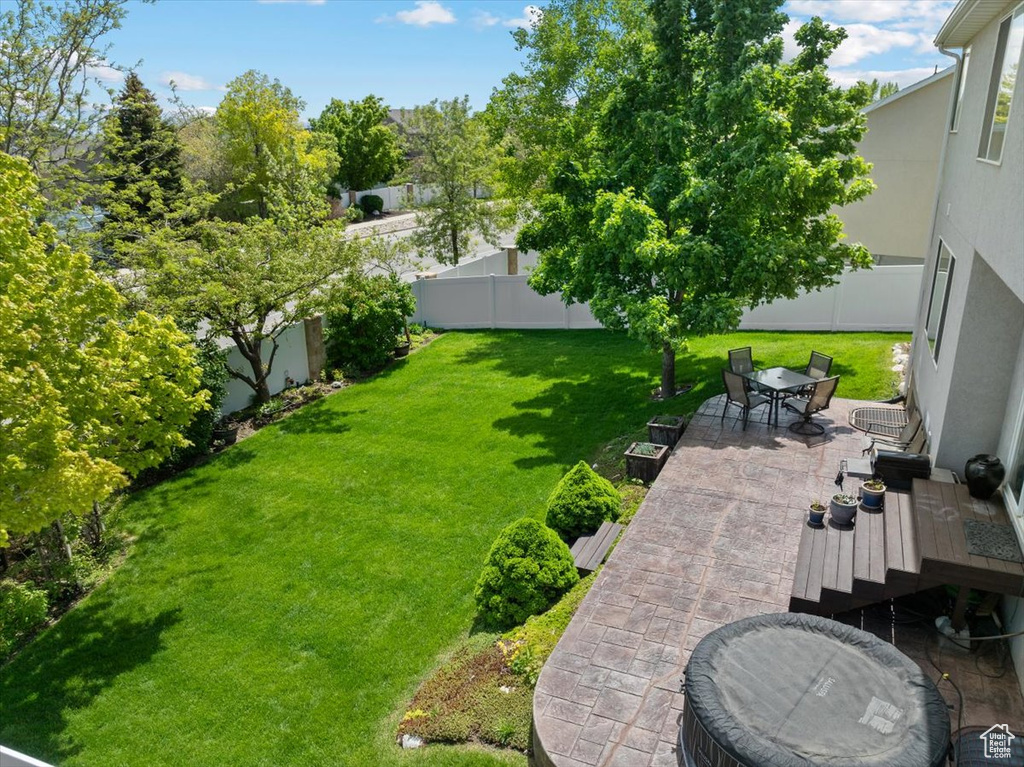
904 143
971 392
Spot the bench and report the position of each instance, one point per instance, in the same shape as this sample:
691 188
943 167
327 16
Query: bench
589 550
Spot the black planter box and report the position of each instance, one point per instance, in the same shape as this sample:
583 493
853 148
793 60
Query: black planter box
645 467
898 470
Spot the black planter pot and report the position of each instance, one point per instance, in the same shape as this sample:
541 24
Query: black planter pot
984 474
225 434
402 350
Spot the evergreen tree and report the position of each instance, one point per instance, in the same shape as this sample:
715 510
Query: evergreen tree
142 183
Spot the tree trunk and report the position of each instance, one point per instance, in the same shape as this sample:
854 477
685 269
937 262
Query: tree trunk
62 540
668 370
96 526
455 245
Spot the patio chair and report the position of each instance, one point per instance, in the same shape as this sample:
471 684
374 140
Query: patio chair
819 366
737 393
818 400
741 361
902 440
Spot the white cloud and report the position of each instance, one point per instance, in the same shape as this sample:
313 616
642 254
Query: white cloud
183 81
915 13
789 47
426 13
208 110
903 77
529 19
865 40
104 73
483 19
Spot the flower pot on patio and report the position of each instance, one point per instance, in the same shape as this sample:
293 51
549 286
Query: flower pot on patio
843 509
816 514
666 429
645 459
871 494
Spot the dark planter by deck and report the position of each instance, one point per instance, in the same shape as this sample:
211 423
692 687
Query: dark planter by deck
666 429
644 460
984 475
402 350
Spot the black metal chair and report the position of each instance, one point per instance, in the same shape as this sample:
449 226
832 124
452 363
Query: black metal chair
818 400
741 361
737 393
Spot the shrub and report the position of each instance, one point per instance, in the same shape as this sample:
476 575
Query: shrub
372 204
362 325
22 610
581 501
527 570
354 214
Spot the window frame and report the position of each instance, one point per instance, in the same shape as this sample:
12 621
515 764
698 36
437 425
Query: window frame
1015 506
992 95
944 306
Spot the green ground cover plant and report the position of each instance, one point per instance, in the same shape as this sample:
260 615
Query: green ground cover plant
283 601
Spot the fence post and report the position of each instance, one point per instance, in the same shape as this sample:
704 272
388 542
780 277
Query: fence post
494 301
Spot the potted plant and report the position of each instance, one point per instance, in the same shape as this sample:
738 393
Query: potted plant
645 459
666 429
816 514
402 349
843 508
872 492
225 431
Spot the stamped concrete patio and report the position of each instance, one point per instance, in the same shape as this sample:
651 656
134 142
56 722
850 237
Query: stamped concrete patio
715 540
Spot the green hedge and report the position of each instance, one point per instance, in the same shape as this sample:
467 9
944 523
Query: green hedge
362 324
581 501
527 570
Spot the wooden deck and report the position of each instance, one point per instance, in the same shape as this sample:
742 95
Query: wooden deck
916 543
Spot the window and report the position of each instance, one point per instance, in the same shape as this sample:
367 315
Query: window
941 283
960 90
1000 89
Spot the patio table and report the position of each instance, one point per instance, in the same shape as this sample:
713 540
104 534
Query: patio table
778 381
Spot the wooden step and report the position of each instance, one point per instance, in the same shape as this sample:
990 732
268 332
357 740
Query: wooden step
903 560
589 550
869 563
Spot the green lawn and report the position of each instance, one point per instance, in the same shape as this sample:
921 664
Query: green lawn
284 600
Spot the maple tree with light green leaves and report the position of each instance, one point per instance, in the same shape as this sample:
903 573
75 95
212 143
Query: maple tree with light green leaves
90 395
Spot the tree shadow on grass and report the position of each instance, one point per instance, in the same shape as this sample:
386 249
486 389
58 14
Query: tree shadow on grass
66 668
317 418
600 388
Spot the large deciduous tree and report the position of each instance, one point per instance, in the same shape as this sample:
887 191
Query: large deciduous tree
453 157
367 146
709 179
88 396
278 168
248 281
52 62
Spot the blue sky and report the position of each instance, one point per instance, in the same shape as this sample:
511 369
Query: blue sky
409 52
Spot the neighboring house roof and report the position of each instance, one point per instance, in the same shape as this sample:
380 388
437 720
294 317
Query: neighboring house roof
948 71
968 19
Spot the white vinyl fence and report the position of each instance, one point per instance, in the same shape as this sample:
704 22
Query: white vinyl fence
291 362
884 298
404 196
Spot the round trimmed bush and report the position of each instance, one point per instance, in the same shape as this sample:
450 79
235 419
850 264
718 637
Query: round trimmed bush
527 570
581 501
371 203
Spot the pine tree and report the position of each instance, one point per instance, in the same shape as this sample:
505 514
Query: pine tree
141 172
